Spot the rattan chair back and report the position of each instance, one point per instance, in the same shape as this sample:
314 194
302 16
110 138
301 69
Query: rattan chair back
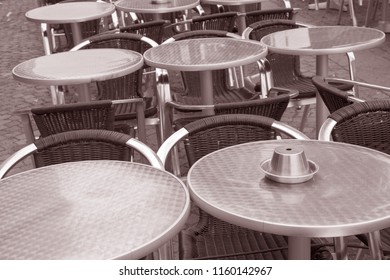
79 145
365 124
260 15
151 29
128 86
333 97
218 21
65 117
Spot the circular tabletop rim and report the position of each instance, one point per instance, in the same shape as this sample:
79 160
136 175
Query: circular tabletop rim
288 229
206 67
158 240
76 5
327 51
80 79
232 3
161 9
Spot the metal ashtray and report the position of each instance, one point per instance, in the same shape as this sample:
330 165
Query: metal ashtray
289 165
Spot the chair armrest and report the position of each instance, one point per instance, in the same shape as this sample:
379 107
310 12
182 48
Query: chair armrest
356 83
274 91
188 108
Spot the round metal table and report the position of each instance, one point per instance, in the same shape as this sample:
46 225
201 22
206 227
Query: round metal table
204 55
90 210
349 195
78 67
147 7
71 13
322 41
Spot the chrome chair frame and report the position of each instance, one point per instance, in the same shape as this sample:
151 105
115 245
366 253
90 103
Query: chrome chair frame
133 143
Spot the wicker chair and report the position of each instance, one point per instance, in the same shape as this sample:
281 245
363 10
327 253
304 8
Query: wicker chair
220 21
365 124
333 97
286 68
151 29
77 145
278 13
212 238
88 115
273 107
129 86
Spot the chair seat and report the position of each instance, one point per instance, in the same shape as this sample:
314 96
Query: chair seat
220 96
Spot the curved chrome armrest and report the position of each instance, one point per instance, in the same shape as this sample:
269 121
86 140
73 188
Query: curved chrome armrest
356 83
326 130
189 108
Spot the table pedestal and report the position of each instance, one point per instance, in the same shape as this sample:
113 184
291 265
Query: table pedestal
321 110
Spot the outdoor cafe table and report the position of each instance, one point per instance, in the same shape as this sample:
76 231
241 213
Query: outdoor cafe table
78 67
322 41
90 210
349 194
240 4
155 9
204 55
72 13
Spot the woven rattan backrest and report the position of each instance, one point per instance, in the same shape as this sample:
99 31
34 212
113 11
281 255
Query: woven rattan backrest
220 21
151 29
333 97
217 132
272 107
260 15
82 145
60 118
284 67
365 124
129 86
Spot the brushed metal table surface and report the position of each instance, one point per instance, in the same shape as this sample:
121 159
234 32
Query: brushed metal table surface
349 195
90 210
70 12
204 54
147 7
78 67
322 41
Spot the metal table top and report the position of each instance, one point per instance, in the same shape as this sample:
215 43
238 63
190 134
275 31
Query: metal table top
78 67
90 210
323 40
70 12
146 6
204 54
349 195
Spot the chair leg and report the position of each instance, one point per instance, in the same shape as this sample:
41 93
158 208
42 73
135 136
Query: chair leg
306 109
